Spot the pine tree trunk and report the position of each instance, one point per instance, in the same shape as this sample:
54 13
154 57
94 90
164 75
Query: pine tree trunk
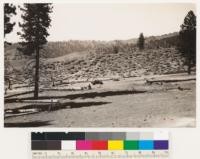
189 67
36 91
9 84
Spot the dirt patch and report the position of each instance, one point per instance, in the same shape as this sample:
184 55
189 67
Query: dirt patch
114 104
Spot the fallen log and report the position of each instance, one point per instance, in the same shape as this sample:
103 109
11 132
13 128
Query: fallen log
150 81
40 101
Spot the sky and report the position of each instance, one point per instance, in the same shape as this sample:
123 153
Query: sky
111 21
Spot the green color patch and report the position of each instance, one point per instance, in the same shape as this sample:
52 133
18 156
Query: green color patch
131 145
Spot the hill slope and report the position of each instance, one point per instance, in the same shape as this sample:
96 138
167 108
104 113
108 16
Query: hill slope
95 59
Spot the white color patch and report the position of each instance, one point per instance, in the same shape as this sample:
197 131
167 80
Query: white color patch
68 145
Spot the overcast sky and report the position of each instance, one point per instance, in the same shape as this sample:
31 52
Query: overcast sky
111 21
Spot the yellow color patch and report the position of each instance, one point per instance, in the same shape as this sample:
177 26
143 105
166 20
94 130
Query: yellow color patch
115 145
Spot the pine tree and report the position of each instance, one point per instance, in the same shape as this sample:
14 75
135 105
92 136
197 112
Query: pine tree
36 21
141 41
187 40
9 11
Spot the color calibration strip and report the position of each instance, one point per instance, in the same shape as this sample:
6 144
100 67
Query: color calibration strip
100 141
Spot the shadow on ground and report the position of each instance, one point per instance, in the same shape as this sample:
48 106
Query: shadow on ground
19 94
30 109
28 124
79 95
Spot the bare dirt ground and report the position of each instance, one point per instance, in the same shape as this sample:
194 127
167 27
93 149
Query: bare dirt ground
127 102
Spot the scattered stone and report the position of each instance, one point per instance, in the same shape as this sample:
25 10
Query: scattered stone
179 88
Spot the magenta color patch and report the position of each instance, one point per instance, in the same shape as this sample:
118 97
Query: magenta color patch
83 145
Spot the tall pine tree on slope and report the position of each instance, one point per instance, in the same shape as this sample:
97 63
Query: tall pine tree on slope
187 40
141 41
36 21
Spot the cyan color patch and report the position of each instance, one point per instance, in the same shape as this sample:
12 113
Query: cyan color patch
146 145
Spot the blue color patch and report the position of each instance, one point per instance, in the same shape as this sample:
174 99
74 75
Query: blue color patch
146 145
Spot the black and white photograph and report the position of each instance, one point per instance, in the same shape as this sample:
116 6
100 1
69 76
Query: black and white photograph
100 65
